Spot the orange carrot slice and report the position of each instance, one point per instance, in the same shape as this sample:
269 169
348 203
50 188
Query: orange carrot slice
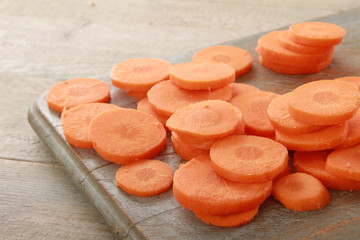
345 163
353 136
77 91
317 33
202 75
145 177
137 94
301 192
186 150
323 139
240 88
232 220
124 135
76 120
352 79
197 187
207 119
313 163
324 102
166 97
284 173
144 106
248 159
238 58
254 106
139 74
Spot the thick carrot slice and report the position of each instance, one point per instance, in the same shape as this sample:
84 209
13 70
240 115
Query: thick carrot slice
197 142
254 106
166 97
248 159
202 75
238 58
137 94
345 163
317 33
323 139
139 74
353 136
352 79
144 106
313 163
76 120
145 177
232 220
77 91
207 119
240 88
301 192
124 135
197 187
324 102
278 113
186 150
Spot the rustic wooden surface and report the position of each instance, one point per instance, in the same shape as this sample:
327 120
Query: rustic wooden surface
43 42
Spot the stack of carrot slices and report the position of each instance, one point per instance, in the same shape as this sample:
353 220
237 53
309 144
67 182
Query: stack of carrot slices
304 48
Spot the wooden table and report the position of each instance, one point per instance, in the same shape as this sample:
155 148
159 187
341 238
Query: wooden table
44 42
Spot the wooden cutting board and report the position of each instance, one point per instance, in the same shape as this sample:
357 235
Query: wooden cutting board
161 217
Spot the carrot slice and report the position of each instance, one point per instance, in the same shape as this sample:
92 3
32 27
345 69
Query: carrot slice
202 75
353 136
124 135
345 163
77 91
352 79
144 177
240 88
317 33
284 173
186 150
232 220
248 159
301 192
280 118
166 97
197 187
313 163
144 106
76 120
323 139
238 58
207 119
137 94
254 106
139 74
324 102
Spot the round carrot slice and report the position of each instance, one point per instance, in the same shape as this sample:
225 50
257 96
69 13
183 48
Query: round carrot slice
197 187
166 97
240 88
202 75
139 74
186 150
76 120
238 58
77 91
317 33
207 119
324 102
352 79
124 135
345 163
301 192
284 173
144 177
248 159
353 136
144 106
313 163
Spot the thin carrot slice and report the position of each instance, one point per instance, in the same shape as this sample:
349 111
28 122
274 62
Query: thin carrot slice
76 120
240 88
144 106
124 135
324 102
207 119
284 173
352 79
353 136
166 97
202 75
301 192
77 91
323 139
186 150
280 118
238 58
254 106
313 163
197 187
139 74
317 33
145 177
137 94
232 220
248 159
345 163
